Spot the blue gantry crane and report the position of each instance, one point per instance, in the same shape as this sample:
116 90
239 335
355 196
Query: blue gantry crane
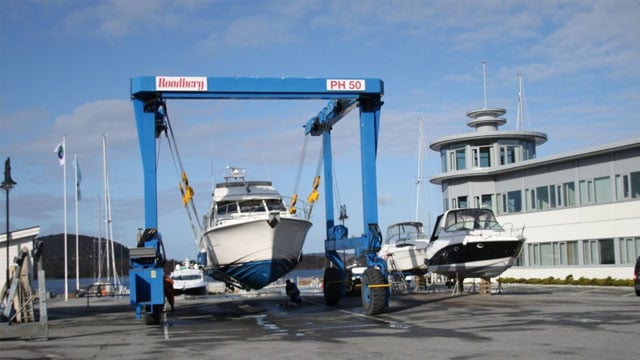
149 95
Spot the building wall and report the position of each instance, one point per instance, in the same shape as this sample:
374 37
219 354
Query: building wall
18 240
588 226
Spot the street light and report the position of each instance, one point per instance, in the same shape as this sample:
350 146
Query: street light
7 185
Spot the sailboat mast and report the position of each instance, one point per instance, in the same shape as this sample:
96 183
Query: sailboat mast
99 279
106 205
484 82
420 174
520 114
111 259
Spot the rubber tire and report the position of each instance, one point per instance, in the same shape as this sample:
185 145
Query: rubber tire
373 299
331 286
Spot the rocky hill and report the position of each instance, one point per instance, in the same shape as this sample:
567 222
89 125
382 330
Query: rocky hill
88 249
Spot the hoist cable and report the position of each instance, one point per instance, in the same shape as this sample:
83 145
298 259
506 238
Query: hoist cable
313 197
296 185
186 191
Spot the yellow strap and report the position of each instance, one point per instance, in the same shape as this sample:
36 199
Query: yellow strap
292 207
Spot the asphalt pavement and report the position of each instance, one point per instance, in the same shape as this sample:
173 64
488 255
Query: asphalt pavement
524 322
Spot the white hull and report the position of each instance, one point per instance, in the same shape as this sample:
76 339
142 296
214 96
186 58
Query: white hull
255 241
405 258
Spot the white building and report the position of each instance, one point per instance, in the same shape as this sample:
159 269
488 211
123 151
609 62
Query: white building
581 210
17 240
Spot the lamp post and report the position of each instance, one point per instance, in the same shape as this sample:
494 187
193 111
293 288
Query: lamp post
7 185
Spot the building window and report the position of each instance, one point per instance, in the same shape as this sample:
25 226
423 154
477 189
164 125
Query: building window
460 160
534 254
607 255
443 160
514 201
586 191
487 201
481 156
530 199
572 253
629 250
462 202
597 252
602 190
635 184
590 252
569 196
542 197
509 154
546 254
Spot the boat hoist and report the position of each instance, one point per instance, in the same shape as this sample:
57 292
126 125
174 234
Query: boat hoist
149 95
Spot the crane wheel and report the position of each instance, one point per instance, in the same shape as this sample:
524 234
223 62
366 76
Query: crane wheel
373 298
331 286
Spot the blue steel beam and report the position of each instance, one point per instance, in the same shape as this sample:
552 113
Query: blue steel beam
185 87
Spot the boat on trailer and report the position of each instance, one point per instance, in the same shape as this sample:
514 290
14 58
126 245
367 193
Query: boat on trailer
470 243
405 248
250 237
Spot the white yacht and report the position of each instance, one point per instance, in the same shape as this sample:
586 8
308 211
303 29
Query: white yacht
470 243
405 248
189 279
250 235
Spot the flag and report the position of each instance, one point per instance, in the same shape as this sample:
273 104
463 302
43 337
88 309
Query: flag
59 150
76 165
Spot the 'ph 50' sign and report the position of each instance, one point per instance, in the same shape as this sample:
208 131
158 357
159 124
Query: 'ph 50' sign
345 85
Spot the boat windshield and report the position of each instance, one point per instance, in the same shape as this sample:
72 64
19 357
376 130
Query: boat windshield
228 207
471 219
249 206
186 277
400 233
275 205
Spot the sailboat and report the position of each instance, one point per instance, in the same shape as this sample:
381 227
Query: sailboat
111 285
250 237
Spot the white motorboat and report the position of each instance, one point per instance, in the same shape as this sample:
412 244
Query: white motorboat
189 279
470 243
405 248
250 235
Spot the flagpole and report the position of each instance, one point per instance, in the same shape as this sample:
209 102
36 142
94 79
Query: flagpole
66 269
75 165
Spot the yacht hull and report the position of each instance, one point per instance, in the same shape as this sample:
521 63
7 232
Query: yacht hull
256 252
475 259
407 259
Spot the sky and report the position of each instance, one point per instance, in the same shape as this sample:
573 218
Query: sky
65 67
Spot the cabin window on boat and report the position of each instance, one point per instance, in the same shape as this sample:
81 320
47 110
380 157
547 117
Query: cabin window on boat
227 207
251 206
275 205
